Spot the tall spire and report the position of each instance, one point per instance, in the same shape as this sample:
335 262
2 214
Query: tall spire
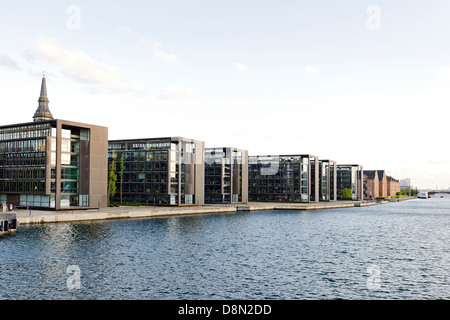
43 112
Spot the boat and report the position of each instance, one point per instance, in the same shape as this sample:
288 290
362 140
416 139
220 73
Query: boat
8 224
423 195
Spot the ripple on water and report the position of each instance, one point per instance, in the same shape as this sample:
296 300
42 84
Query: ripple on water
393 251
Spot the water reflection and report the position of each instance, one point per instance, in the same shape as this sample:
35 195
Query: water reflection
325 254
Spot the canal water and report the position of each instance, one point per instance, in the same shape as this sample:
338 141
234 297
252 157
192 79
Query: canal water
391 251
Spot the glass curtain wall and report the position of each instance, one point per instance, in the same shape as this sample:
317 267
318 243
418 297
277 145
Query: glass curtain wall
23 163
214 175
279 178
156 171
349 177
324 192
333 181
223 175
237 162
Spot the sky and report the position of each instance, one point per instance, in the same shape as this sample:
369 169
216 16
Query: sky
363 82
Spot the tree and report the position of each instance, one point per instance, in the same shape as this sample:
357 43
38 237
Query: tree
112 177
121 164
346 194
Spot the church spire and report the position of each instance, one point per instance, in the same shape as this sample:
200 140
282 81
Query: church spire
43 112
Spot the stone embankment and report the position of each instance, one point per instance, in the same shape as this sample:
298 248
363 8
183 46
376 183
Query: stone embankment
40 216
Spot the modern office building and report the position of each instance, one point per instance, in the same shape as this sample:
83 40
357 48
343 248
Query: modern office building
286 178
160 171
350 176
226 175
51 163
327 180
405 184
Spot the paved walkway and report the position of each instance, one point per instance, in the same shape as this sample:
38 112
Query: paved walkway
25 216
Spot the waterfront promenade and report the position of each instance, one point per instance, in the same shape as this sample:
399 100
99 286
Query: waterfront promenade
25 216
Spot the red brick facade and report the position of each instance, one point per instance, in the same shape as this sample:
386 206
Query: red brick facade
378 184
371 185
393 186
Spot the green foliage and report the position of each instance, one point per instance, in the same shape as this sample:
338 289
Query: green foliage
121 164
346 194
118 204
112 177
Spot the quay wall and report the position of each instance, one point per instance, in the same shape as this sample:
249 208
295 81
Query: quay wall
35 216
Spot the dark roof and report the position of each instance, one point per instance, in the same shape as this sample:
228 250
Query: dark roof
370 173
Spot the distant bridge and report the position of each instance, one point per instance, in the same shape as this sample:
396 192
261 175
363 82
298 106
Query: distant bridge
438 191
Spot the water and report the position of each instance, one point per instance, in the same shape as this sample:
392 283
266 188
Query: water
392 251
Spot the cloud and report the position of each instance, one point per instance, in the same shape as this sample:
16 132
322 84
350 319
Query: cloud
79 66
161 55
176 92
240 67
439 162
443 73
8 63
311 70
124 29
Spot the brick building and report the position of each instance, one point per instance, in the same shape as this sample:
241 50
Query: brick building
382 183
371 184
378 184
393 186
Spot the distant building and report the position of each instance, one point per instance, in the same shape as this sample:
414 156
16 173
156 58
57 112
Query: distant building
51 163
226 175
393 186
284 178
160 171
350 176
378 184
405 184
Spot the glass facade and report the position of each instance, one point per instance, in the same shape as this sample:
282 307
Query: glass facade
225 174
327 180
23 158
289 178
23 152
156 171
29 163
350 177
